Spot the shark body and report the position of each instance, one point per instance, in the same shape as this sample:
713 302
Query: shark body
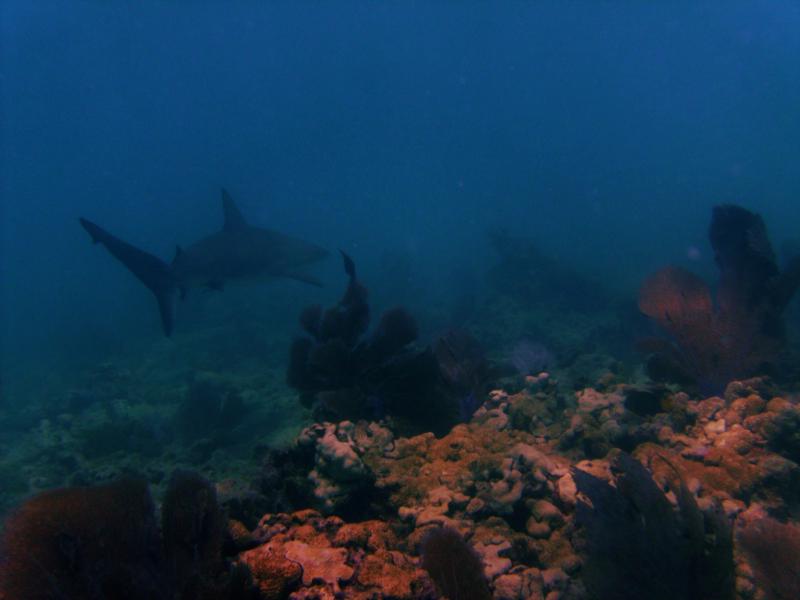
239 251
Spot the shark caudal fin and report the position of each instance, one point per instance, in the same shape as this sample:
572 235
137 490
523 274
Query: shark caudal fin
149 269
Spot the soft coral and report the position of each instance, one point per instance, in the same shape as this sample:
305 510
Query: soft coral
737 331
93 543
342 373
103 543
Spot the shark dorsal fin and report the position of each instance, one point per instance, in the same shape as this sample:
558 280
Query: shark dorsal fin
233 218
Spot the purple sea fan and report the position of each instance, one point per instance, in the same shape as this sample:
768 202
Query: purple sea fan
454 565
531 358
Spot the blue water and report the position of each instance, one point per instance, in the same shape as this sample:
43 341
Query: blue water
398 131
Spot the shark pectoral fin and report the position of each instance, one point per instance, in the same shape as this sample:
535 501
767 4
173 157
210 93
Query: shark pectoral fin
304 277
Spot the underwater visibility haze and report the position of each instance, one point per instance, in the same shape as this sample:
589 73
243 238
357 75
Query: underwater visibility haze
404 300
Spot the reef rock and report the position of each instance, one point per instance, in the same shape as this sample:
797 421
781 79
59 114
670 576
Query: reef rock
307 555
339 471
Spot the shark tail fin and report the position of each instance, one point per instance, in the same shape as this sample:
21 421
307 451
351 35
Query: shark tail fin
150 270
166 307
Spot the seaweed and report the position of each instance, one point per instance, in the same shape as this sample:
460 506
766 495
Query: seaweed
638 546
734 333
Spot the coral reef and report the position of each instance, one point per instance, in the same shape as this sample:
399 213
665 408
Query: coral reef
772 548
305 555
736 332
342 482
576 478
545 521
611 491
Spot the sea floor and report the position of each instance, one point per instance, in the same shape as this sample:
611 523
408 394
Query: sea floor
585 481
341 510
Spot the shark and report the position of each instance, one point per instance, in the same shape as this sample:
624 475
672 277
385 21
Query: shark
239 251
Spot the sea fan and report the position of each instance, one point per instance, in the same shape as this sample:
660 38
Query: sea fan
531 358
638 546
734 334
193 528
466 371
454 565
103 543
99 542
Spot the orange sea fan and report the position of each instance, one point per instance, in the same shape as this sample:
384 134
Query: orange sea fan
713 340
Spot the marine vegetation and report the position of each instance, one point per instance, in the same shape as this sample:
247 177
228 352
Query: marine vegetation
343 373
736 332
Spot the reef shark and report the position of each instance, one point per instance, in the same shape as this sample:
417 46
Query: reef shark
239 251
